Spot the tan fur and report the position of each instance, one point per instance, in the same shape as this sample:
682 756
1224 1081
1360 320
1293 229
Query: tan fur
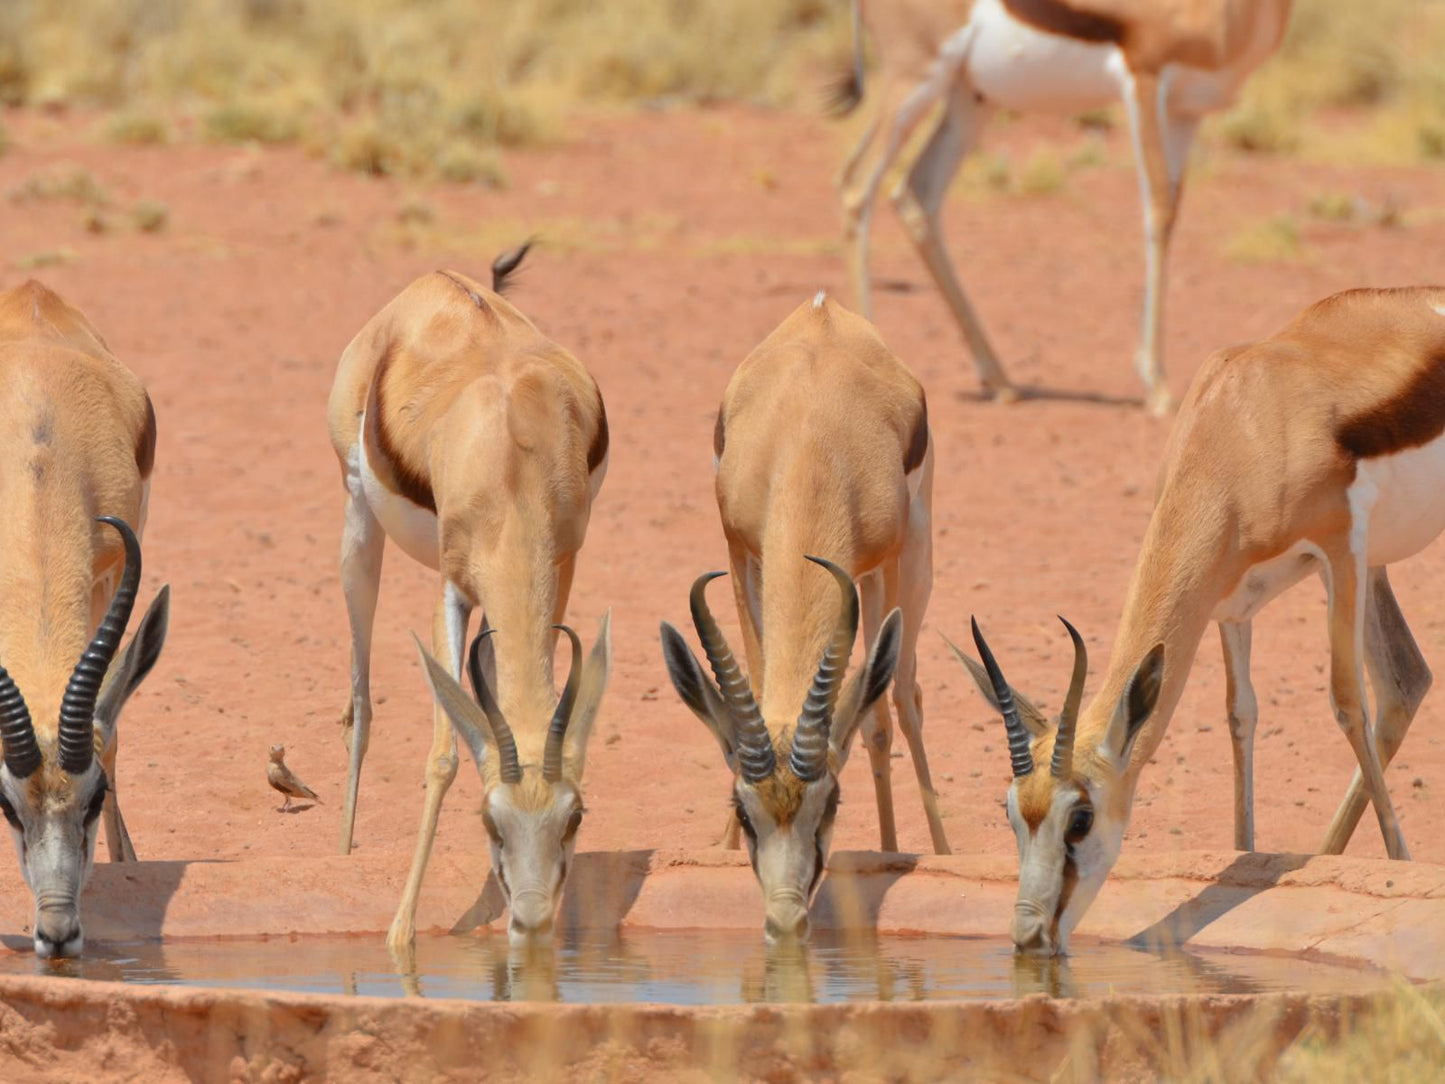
475 415
78 430
817 427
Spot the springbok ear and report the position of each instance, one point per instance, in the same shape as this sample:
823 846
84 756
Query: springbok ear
867 685
468 719
1032 717
698 692
135 662
595 672
1135 706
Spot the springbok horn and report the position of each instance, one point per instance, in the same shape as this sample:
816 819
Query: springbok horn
1063 763
1018 736
77 706
810 737
22 752
755 745
508 766
557 731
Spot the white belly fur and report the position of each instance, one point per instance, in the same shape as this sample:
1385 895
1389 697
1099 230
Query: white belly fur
1403 499
1016 66
412 528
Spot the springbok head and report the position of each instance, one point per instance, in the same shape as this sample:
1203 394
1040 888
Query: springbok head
1068 821
52 784
531 811
785 790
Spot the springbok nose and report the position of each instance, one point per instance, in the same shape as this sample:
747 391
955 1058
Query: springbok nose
1028 936
786 924
57 935
531 916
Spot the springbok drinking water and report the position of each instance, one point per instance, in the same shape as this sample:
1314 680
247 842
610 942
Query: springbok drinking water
823 456
1319 450
1171 62
478 446
77 443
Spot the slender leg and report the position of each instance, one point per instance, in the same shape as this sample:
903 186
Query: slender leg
1400 679
874 588
1347 685
1243 711
919 201
914 588
1161 149
362 543
858 203
449 635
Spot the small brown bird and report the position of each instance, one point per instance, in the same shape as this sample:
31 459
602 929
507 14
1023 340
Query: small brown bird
284 779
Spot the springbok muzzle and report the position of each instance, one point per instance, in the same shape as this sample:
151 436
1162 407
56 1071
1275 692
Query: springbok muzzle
57 928
1030 930
786 918
533 917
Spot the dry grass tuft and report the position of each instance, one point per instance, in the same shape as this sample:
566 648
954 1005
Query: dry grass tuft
136 129
150 216
1271 240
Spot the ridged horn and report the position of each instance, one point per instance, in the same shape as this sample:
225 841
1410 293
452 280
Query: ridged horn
1063 762
810 737
508 766
22 751
1020 755
557 731
755 745
77 706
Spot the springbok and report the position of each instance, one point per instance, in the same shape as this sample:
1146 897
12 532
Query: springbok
76 449
1170 61
1320 449
822 447
478 446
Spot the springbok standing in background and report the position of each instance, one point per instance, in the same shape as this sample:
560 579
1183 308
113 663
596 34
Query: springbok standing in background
77 443
822 448
1319 450
1169 61
478 446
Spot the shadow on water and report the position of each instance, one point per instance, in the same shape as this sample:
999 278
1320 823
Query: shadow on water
1240 881
600 891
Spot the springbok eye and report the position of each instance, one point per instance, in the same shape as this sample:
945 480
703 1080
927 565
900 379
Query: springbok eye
9 811
97 803
491 827
1079 824
742 814
574 822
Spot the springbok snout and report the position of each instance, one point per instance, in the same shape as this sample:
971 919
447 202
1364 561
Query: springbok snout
532 917
57 931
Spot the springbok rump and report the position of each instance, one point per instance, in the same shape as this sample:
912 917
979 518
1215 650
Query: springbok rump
824 476
477 445
77 444
1317 451
1170 62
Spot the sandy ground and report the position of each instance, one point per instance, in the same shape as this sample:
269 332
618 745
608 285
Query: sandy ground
671 245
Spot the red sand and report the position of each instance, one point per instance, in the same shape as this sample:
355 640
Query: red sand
671 245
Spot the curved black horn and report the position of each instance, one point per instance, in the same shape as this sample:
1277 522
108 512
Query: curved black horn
1063 763
810 737
1019 753
77 706
22 752
508 765
557 731
755 745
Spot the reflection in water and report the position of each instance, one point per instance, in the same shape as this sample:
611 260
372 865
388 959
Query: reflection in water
692 968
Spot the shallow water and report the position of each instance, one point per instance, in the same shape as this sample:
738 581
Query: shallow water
693 968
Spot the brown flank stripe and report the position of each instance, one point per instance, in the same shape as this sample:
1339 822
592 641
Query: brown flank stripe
598 451
719 434
145 445
1055 17
1408 419
917 440
390 470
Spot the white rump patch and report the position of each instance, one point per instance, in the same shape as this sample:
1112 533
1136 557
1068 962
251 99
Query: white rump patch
818 299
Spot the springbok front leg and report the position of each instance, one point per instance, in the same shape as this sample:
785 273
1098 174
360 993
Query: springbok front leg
1243 710
449 635
1400 678
362 545
1347 579
915 567
919 202
1161 149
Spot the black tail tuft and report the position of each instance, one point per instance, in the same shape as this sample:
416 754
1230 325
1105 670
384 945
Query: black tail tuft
505 264
843 95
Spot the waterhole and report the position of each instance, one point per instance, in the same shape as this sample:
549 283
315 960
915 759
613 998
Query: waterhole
695 968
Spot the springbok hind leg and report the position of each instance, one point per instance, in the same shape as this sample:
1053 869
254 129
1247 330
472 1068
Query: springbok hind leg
1243 711
449 634
362 543
1347 580
1400 678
